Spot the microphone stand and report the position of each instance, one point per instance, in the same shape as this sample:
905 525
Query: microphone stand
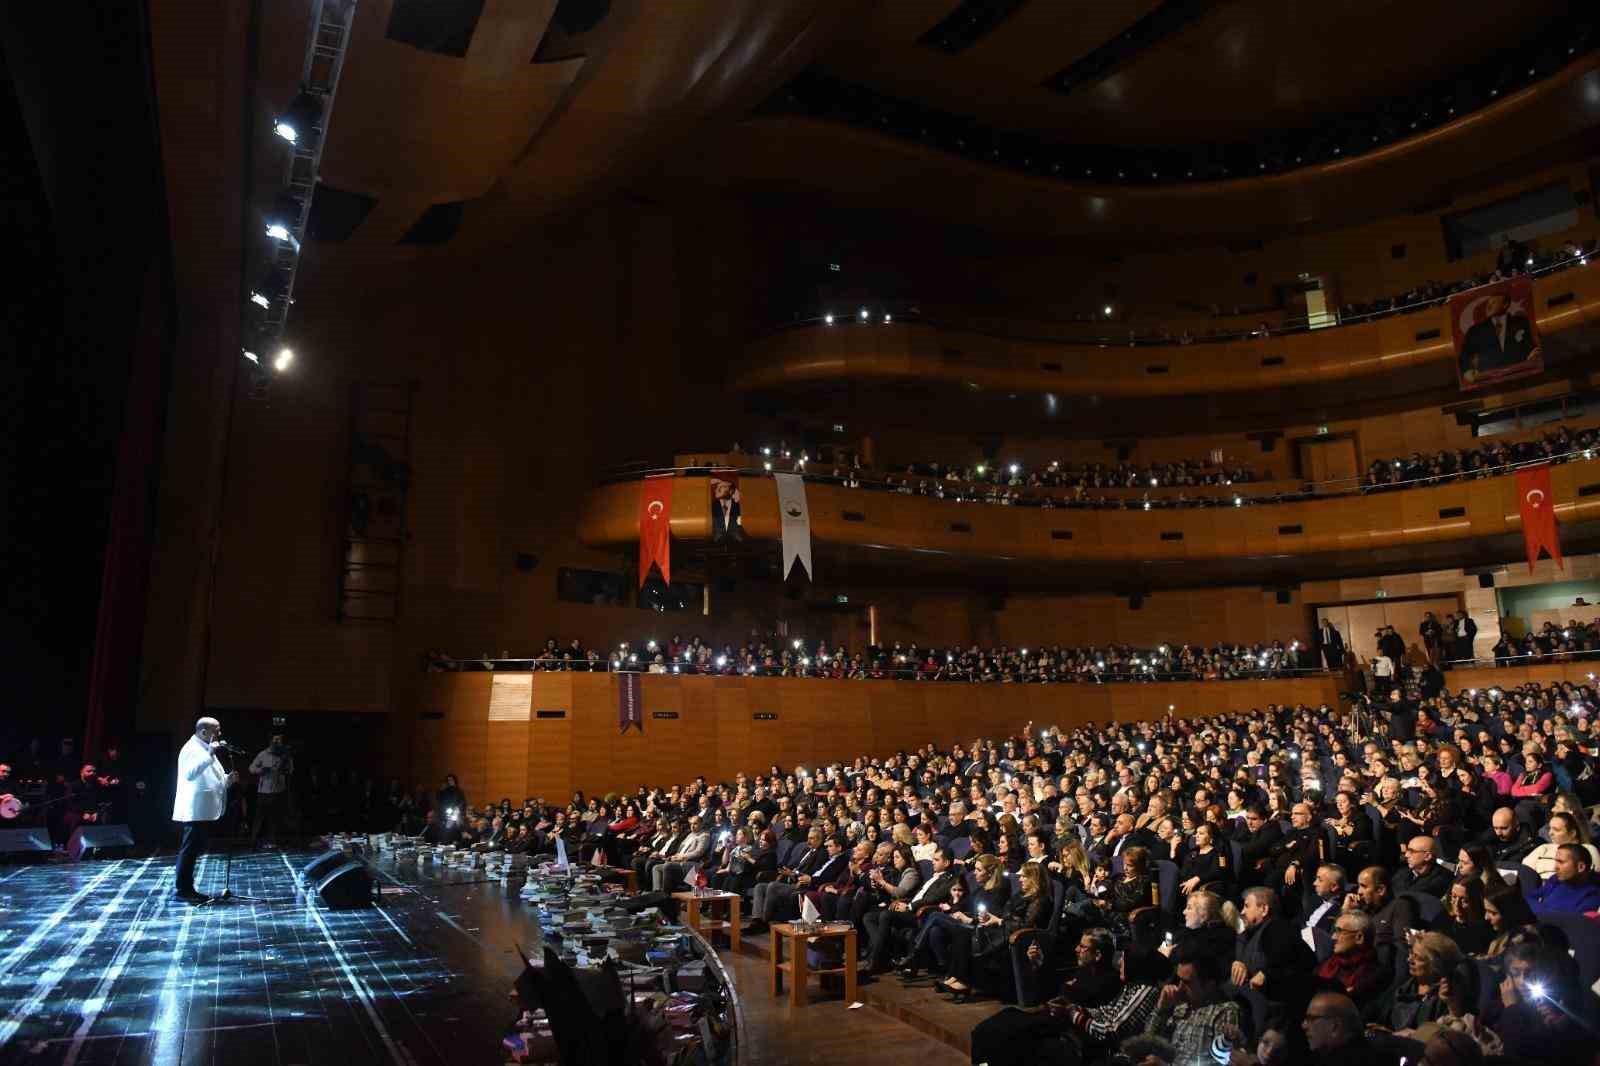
227 894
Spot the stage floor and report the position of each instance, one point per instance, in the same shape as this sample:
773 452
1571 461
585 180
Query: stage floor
98 964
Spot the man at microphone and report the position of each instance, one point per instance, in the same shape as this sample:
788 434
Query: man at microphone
202 796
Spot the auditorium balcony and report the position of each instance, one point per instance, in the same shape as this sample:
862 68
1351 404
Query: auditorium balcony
1261 530
1403 345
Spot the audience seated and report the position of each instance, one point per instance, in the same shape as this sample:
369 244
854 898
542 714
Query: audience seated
1181 845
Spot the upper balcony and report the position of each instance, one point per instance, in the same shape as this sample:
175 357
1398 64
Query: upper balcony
1252 536
880 348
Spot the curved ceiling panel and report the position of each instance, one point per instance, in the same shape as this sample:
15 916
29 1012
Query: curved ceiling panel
864 170
516 140
414 128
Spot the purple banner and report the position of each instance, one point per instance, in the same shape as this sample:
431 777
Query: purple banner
629 705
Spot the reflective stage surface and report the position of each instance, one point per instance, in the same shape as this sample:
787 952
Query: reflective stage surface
99 964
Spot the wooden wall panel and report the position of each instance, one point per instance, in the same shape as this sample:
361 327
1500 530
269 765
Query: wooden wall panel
507 769
549 750
818 722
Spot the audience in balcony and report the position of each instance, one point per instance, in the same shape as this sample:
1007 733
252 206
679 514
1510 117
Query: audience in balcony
1062 485
773 656
1447 464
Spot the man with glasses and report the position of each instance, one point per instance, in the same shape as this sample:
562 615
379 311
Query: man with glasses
1334 1031
1423 873
1353 964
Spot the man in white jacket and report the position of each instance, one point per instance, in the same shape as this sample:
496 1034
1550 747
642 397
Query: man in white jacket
202 796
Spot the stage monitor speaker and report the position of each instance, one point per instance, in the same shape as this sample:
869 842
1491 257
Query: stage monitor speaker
347 885
95 837
33 839
317 868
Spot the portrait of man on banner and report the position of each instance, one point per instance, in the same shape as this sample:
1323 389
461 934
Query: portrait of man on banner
1494 333
725 505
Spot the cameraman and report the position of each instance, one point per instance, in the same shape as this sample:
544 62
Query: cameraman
271 767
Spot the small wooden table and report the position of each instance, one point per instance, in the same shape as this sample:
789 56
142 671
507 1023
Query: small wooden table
630 878
692 904
790 940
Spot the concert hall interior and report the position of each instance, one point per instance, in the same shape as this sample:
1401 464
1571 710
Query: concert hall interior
728 532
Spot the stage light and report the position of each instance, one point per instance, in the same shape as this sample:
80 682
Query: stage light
1238 501
828 319
863 314
981 469
1015 468
284 216
299 119
797 645
722 660
767 465
766 451
1152 482
1147 505
1108 310
281 361
887 319
256 359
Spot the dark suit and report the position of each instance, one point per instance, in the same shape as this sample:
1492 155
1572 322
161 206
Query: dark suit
1274 948
1257 849
1331 644
1484 350
774 898
1434 882
882 924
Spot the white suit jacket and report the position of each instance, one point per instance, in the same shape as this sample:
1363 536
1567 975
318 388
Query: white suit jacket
202 785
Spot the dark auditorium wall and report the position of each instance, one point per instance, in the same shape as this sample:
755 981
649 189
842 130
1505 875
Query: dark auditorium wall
1176 287
710 726
601 340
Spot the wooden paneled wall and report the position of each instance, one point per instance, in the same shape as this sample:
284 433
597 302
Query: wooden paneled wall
711 728
1581 673
1196 616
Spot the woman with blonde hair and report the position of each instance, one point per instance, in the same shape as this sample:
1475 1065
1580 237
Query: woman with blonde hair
983 960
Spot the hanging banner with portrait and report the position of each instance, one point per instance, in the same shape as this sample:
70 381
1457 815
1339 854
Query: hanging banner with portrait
1494 332
726 500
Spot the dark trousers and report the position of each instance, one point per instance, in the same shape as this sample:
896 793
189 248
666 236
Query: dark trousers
269 814
882 926
190 845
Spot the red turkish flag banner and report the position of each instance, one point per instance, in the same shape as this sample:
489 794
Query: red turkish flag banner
655 519
1538 505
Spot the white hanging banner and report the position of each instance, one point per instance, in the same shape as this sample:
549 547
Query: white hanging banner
796 519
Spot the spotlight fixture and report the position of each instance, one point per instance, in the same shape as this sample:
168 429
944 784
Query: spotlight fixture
281 361
1107 309
284 218
300 119
272 287
863 314
828 319
887 319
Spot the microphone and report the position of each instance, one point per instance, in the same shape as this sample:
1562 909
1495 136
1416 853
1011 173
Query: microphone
225 746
